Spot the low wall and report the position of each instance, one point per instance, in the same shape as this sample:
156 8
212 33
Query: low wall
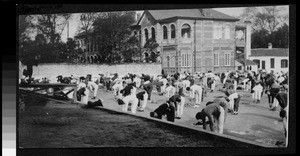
50 70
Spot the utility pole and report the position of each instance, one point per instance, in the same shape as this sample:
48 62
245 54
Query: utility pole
67 29
247 49
195 68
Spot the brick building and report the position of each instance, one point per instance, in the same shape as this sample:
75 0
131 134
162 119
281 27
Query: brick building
193 40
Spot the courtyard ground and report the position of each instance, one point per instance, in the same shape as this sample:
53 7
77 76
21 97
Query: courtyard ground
255 122
53 124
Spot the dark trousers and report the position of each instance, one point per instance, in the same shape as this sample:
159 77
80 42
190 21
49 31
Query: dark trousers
236 104
171 114
148 88
107 85
273 93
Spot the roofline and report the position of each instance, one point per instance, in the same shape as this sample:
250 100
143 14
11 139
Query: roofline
267 56
270 49
195 18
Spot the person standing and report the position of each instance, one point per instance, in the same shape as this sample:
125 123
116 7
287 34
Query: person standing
257 89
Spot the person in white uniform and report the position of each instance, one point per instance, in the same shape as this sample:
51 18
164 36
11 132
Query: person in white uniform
196 92
257 90
170 91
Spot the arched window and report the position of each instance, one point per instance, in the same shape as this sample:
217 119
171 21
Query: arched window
173 34
153 33
186 31
284 63
165 31
146 35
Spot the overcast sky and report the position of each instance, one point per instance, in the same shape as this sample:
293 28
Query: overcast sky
75 20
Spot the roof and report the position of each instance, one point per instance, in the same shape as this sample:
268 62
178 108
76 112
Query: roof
269 52
248 62
160 15
190 13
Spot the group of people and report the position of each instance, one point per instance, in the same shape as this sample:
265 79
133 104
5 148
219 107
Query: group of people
134 91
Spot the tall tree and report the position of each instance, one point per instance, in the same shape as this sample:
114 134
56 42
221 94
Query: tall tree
268 17
86 23
115 32
259 38
51 26
151 47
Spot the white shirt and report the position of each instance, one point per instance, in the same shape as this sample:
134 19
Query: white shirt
196 89
164 80
186 83
257 88
118 86
81 85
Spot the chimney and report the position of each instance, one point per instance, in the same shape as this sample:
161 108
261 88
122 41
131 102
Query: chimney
269 45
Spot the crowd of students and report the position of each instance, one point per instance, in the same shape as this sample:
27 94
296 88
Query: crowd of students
135 90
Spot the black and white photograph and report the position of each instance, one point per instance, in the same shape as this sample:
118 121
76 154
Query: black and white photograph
211 77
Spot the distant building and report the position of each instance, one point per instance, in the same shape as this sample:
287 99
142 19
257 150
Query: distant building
88 44
276 59
250 65
192 40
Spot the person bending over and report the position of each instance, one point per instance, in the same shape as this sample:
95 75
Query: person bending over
92 104
164 109
178 102
215 111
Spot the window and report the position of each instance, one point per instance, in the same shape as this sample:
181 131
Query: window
263 64
153 33
258 63
146 35
186 31
227 32
186 60
272 61
216 59
227 59
165 31
217 32
173 34
284 63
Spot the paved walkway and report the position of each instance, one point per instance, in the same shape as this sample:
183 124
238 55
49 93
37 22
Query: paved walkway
255 122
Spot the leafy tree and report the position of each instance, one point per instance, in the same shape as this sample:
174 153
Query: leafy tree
259 38
268 17
151 46
114 31
280 37
50 25
131 49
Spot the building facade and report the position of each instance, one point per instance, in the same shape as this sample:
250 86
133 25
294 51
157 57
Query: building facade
271 59
192 40
89 45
